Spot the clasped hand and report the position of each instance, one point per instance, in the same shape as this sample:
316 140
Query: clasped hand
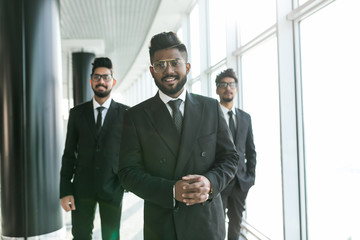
192 189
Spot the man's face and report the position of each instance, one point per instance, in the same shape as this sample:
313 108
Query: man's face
224 90
102 82
169 71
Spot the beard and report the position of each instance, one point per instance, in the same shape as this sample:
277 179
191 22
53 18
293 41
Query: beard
227 99
171 90
101 94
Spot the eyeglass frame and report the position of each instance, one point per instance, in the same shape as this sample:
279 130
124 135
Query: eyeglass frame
101 76
166 62
232 85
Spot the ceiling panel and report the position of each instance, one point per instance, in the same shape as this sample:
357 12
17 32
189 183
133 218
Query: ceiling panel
122 25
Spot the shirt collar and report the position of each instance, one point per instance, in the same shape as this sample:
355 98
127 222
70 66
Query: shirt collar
165 98
106 104
226 110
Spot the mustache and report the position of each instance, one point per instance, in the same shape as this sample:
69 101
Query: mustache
100 85
174 76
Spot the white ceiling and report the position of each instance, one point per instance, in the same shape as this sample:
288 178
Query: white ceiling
119 29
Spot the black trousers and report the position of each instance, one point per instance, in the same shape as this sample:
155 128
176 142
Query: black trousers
234 201
83 219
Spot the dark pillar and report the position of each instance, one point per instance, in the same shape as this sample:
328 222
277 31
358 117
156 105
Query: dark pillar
30 122
81 68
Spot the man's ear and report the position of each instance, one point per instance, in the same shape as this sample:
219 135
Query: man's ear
217 91
188 67
152 71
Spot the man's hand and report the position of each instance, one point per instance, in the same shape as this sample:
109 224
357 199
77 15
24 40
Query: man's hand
192 189
68 203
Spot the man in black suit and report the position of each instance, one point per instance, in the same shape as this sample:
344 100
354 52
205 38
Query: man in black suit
91 159
178 155
239 123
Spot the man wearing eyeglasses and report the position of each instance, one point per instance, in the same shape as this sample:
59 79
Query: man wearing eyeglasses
239 123
91 159
177 153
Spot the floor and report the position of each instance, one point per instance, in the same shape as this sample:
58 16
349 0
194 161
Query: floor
131 220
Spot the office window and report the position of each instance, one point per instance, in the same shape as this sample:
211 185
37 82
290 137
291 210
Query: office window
195 87
301 2
217 27
212 79
261 101
330 61
254 17
195 42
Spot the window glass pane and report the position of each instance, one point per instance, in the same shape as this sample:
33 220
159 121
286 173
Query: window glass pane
261 101
196 87
195 42
330 62
213 77
217 26
254 17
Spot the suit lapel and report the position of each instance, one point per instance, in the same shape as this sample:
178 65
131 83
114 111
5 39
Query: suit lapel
89 117
162 122
191 125
240 126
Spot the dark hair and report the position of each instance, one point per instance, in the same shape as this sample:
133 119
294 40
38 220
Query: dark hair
166 40
226 73
102 62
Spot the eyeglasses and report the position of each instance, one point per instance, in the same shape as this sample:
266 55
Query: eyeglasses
97 77
232 85
161 65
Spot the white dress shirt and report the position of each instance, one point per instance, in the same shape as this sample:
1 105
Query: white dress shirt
227 117
106 106
166 99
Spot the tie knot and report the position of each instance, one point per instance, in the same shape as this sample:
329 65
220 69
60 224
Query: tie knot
175 104
100 109
230 113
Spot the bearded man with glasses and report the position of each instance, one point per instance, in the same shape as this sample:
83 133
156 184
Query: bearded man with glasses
239 122
177 153
91 159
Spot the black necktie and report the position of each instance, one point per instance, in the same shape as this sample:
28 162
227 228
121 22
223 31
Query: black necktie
177 117
99 119
231 124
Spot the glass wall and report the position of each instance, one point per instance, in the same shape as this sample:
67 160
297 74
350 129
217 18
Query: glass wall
261 101
330 50
217 23
321 80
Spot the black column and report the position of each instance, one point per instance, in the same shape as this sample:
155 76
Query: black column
81 68
30 122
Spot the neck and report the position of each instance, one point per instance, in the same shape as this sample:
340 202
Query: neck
228 105
101 100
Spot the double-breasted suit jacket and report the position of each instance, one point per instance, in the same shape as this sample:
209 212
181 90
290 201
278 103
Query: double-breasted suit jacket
154 156
244 142
90 162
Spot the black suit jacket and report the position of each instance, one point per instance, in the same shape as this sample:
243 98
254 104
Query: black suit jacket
90 162
244 142
154 157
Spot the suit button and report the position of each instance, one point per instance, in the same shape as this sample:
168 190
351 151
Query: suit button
203 154
98 150
163 160
97 168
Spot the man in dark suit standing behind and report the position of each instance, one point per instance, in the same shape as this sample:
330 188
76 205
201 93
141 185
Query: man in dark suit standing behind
239 123
178 154
91 159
